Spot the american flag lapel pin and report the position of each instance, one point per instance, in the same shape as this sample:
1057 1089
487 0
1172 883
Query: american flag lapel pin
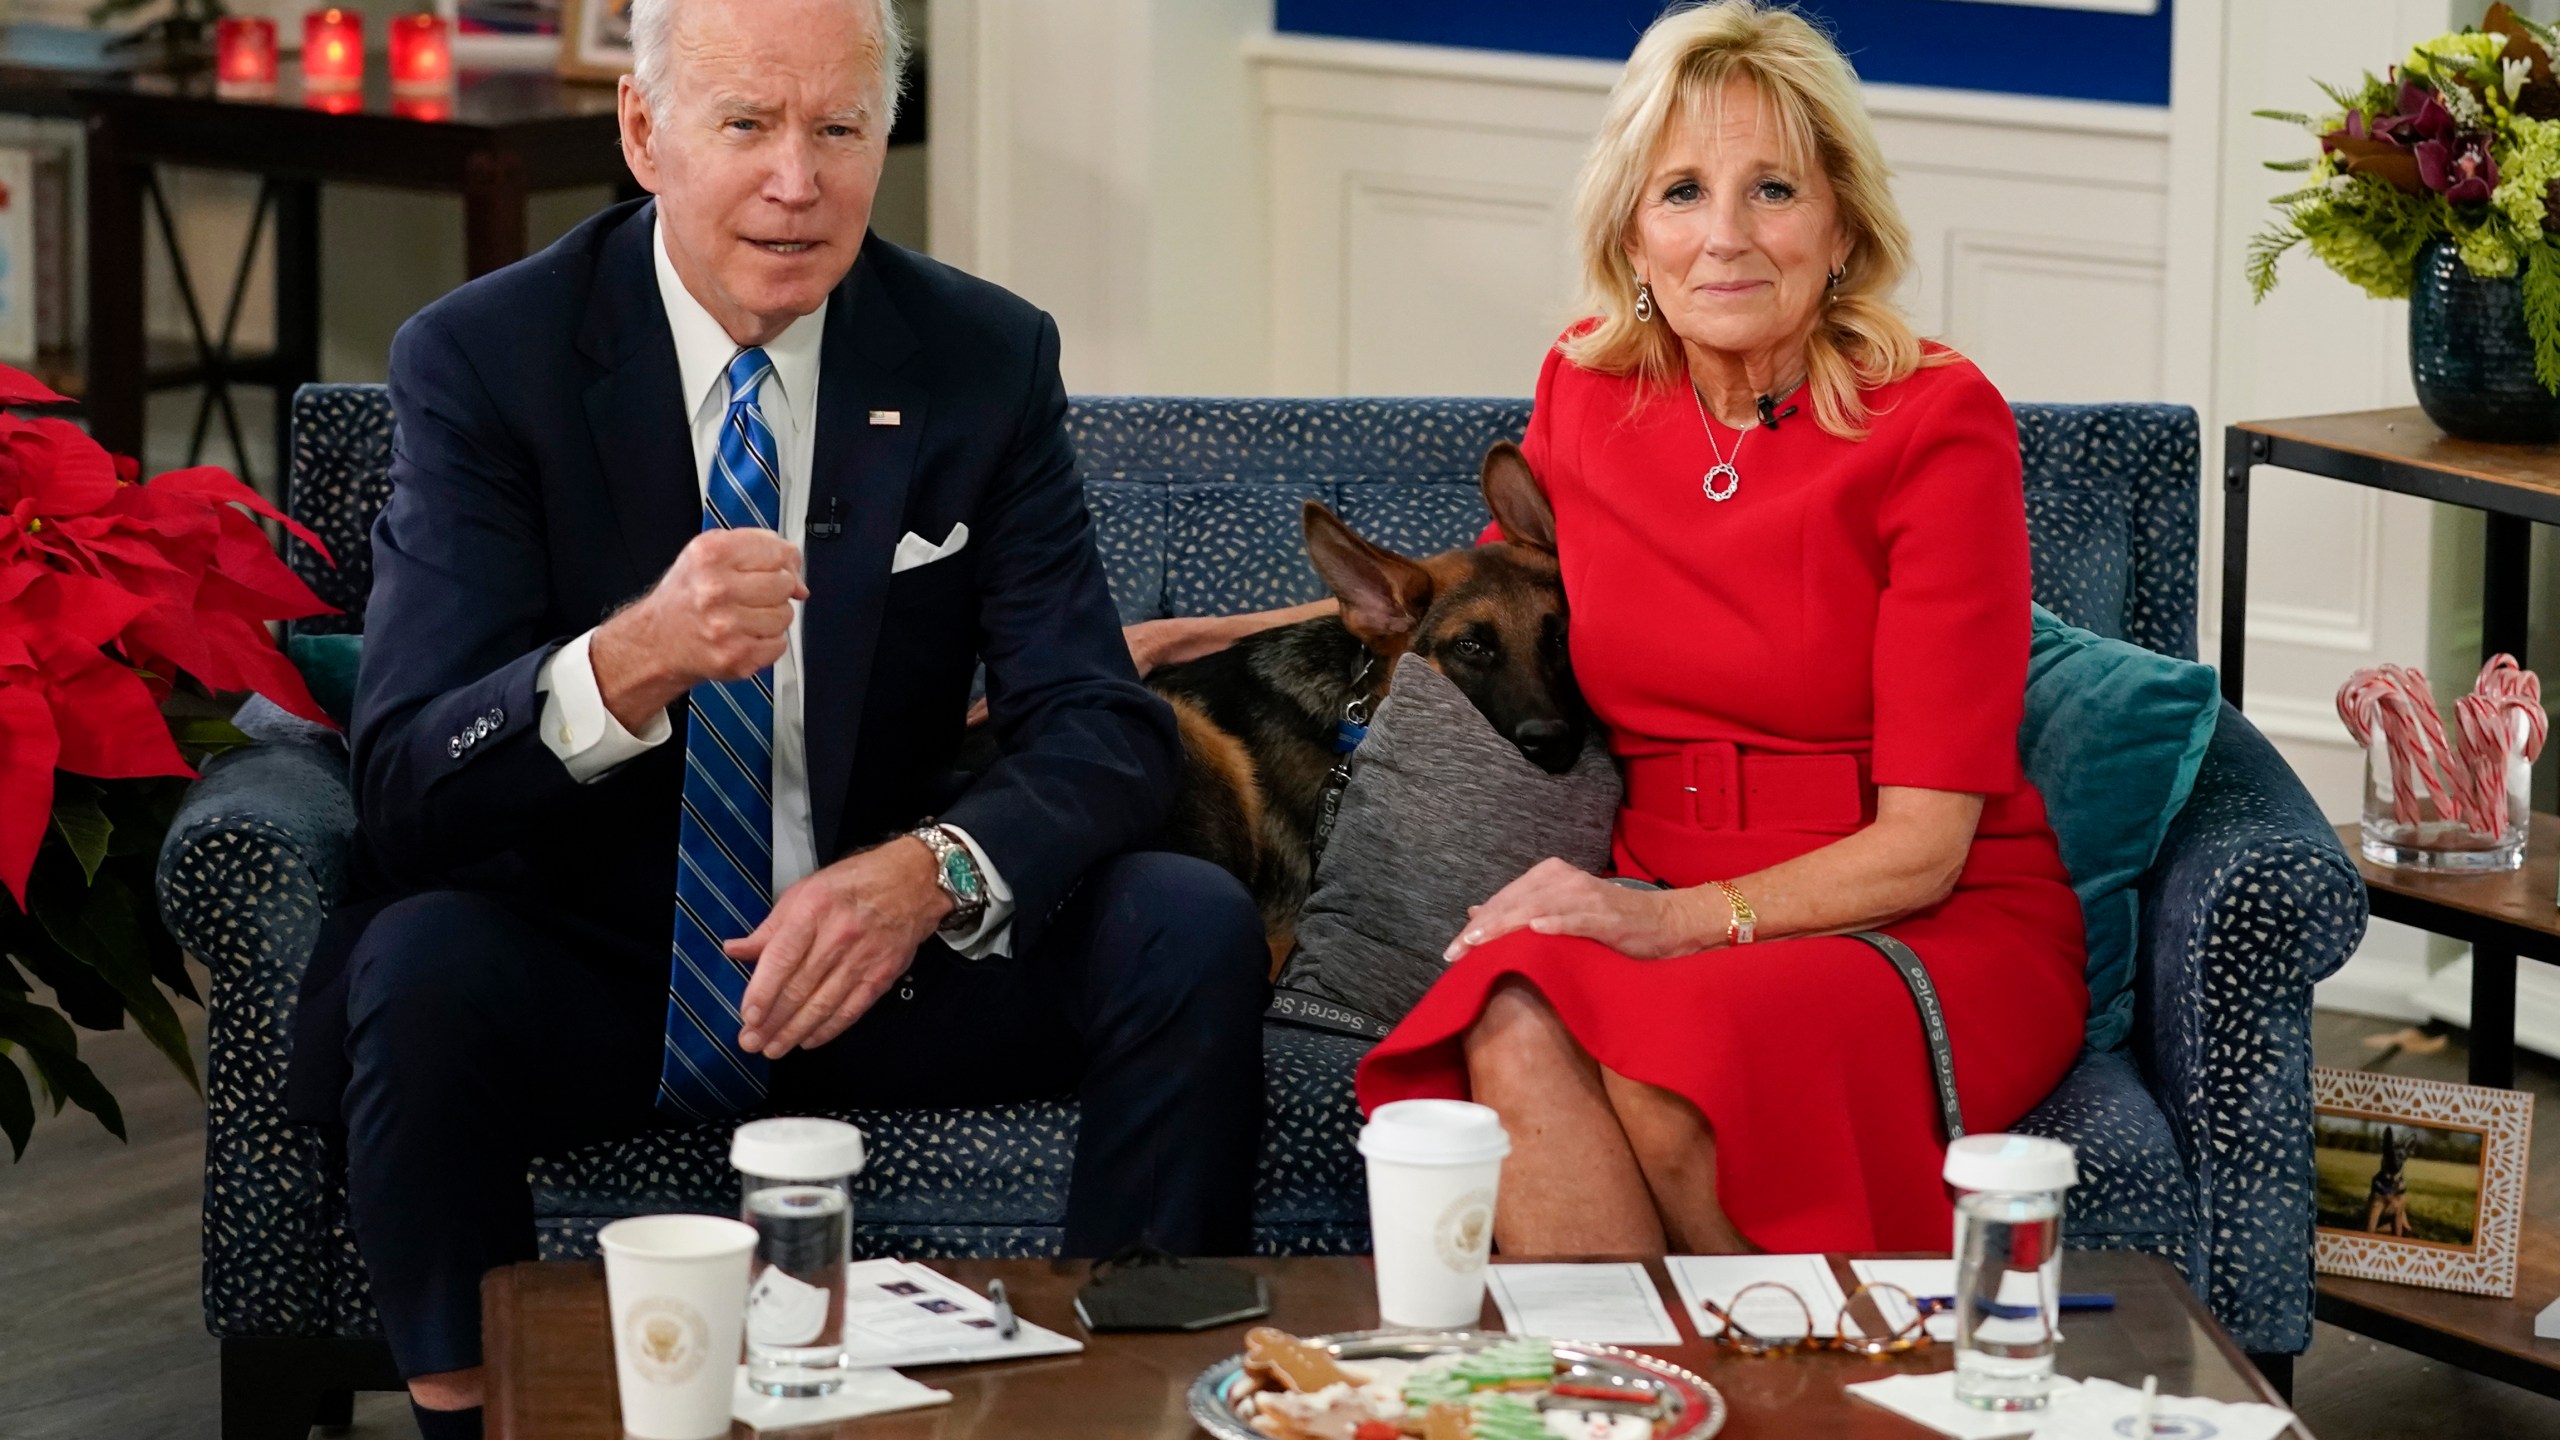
884 417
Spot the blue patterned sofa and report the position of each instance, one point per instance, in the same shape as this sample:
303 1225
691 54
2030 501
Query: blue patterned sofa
2193 1139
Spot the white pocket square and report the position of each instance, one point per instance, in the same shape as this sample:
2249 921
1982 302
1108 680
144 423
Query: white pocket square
915 550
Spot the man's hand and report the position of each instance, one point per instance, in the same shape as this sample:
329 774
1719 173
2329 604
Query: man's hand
721 612
835 943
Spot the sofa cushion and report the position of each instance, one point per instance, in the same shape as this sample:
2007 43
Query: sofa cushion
1392 888
2112 738
992 1180
2134 1191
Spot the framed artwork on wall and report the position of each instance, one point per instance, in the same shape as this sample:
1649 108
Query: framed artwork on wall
595 39
2418 1182
503 34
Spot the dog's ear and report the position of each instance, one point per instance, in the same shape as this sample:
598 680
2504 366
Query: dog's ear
1383 594
1517 502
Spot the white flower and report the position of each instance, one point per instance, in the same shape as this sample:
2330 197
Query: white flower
2512 74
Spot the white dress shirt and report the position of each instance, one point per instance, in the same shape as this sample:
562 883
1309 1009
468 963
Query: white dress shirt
586 736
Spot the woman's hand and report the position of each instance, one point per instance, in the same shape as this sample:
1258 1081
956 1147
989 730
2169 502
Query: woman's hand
1554 898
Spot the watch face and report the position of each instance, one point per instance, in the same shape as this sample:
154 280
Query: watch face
960 874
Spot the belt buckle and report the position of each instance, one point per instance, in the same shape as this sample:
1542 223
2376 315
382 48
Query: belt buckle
1714 784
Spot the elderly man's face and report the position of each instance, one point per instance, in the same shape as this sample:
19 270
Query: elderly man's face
1735 242
765 153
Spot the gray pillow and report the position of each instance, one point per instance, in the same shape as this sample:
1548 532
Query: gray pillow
1441 812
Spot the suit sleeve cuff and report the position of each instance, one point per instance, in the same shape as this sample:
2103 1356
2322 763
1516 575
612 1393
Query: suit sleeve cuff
993 934
575 723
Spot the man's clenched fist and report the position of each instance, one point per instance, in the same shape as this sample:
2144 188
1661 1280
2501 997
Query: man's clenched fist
721 612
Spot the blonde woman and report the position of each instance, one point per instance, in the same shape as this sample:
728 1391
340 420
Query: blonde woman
1809 645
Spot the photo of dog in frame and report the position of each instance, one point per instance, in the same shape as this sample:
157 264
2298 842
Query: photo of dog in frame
2418 1182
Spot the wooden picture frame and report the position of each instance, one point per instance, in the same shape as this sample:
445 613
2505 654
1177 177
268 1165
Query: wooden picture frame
2418 1182
595 40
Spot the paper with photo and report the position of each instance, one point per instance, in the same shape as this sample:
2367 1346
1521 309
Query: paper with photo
1920 1277
897 1312
1720 1277
1607 1304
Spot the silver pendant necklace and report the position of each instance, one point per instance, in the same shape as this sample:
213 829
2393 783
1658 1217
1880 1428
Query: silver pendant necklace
1722 479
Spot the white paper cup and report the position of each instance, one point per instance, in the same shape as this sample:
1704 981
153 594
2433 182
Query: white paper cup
1434 1166
677 1287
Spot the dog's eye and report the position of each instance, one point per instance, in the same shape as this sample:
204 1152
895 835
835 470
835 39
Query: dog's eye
1473 648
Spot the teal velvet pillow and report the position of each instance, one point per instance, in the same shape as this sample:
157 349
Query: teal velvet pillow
2112 738
328 666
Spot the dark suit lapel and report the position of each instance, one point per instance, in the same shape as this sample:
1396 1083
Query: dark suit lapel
636 409
860 474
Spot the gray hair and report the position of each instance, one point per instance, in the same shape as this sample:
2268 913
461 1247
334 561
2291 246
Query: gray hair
653 22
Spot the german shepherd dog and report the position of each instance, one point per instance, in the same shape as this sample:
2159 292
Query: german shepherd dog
1259 719
2386 1206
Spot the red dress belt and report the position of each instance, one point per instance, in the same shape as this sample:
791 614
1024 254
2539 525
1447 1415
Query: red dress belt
1717 785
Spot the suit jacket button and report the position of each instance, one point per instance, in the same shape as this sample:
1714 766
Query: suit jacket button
453 746
497 717
480 728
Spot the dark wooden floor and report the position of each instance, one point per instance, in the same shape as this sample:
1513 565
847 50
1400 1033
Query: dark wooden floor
101 1335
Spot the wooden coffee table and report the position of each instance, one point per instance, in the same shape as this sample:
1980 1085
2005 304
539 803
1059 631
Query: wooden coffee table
550 1357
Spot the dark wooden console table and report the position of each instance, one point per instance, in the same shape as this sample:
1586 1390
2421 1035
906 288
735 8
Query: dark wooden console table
499 136
2504 916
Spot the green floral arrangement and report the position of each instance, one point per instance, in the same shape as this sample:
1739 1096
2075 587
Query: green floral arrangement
2460 142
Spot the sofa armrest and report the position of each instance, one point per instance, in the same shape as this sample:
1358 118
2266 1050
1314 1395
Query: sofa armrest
249 870
2250 901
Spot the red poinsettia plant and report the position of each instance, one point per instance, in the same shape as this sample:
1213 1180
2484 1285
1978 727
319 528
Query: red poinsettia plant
129 611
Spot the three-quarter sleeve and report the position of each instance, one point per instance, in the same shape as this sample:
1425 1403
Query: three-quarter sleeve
1952 623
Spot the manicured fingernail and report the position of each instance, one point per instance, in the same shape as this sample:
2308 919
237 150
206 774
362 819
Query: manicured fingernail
752 1014
1475 937
750 1040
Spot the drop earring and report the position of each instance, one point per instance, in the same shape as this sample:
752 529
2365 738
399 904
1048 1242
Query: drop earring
1644 303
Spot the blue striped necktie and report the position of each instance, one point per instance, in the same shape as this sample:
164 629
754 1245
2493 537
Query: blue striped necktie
724 850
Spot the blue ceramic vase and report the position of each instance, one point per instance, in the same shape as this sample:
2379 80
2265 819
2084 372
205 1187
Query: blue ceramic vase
2471 357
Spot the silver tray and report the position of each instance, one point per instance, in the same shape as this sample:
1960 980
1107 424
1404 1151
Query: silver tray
1683 1406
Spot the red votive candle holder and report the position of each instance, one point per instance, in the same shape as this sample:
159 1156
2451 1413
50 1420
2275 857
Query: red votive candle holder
244 55
421 55
332 50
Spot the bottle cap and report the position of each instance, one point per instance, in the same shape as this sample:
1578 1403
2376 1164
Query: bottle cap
1434 1132
795 1147
2015 1164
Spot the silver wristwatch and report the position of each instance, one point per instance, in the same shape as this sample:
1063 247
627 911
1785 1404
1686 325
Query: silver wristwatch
956 871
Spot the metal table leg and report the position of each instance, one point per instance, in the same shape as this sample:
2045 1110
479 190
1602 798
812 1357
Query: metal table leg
2240 451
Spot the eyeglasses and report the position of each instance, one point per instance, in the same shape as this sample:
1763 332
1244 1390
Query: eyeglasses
1768 1318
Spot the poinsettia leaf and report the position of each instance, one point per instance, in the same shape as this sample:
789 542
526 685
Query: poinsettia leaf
47 1039
214 483
82 823
81 993
143 810
102 926
17 1107
17 387
28 747
207 734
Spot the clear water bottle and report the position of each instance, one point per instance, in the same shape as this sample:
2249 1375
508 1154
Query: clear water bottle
795 1180
2008 1197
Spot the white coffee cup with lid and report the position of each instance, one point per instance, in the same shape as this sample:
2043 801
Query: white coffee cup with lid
1434 1169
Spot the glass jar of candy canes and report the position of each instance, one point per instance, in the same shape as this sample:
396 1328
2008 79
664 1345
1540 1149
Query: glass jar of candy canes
2445 798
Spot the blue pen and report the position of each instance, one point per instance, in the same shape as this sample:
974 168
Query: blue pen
1940 1304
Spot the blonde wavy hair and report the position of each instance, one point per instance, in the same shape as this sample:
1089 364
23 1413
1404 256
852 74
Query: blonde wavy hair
1678 74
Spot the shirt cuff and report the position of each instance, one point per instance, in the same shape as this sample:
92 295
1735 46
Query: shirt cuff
993 934
576 724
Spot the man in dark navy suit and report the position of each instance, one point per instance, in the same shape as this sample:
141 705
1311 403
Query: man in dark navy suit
702 521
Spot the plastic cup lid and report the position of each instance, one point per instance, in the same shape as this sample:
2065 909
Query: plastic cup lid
2016 1164
1434 1132
794 1147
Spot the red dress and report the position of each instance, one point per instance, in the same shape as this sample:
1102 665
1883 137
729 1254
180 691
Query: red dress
1865 599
